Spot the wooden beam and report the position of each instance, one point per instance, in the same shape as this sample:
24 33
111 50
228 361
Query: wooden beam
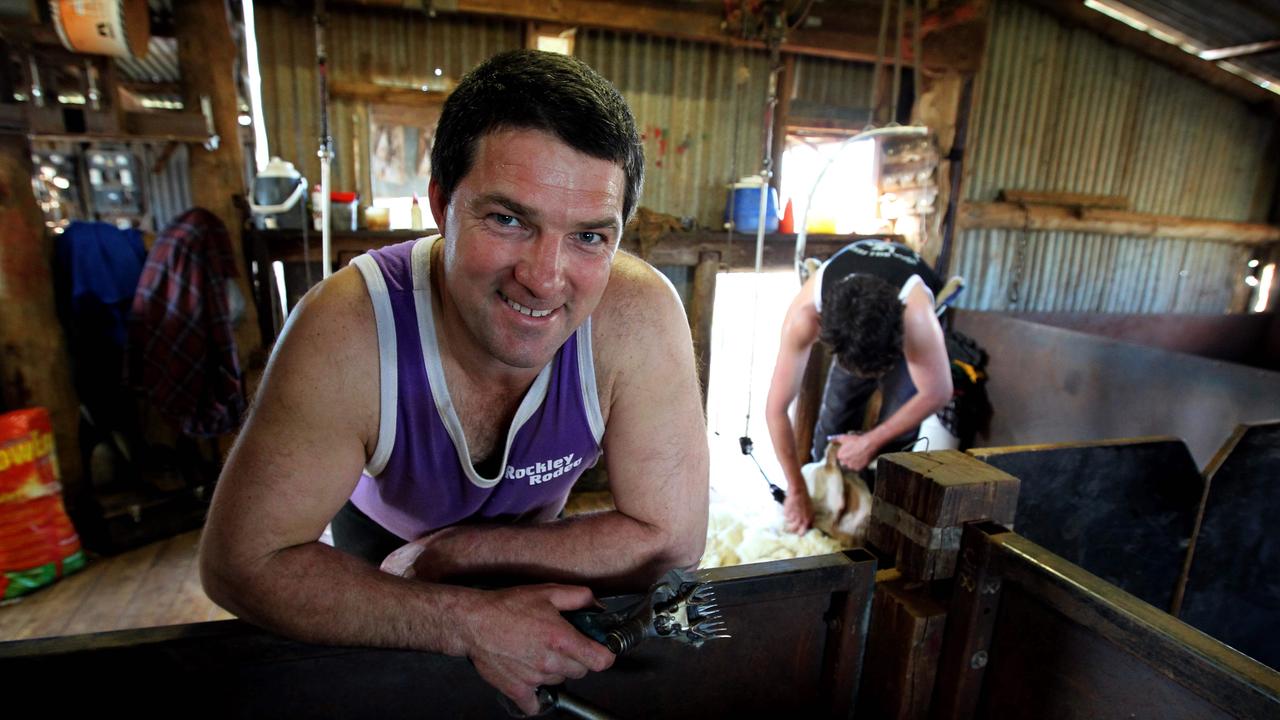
1076 13
187 127
782 118
35 369
380 94
996 215
701 306
740 253
843 34
208 56
1069 199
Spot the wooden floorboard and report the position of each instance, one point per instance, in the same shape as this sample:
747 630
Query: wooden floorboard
158 584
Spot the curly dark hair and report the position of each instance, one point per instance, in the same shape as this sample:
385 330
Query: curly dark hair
861 322
544 91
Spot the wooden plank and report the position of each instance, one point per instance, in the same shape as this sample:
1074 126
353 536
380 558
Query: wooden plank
47 611
155 595
1071 645
188 127
1082 200
120 578
740 252
903 649
189 603
1112 222
971 622
364 91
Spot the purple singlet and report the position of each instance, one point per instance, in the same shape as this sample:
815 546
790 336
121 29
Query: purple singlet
420 477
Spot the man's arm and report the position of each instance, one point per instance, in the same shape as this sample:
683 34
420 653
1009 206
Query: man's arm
930 371
800 330
294 465
655 450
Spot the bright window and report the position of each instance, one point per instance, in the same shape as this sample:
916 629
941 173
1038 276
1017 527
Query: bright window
845 198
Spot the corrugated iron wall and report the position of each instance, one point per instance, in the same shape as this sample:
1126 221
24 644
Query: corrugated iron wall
169 190
699 105
1060 109
362 45
834 83
700 108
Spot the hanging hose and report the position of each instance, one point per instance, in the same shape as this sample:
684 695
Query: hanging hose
775 37
326 144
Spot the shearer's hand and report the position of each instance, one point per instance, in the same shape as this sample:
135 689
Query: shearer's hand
797 511
856 450
518 641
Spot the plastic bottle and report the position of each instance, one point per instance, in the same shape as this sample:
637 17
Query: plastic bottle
415 214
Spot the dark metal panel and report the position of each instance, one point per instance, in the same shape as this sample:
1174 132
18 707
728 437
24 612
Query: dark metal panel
798 626
1068 645
1235 338
1051 385
1233 588
1123 510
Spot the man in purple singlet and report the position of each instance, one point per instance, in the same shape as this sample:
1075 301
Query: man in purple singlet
440 397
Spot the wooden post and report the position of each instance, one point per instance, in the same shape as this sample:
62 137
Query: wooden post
971 620
944 104
922 500
809 403
781 115
907 622
34 365
701 307
207 55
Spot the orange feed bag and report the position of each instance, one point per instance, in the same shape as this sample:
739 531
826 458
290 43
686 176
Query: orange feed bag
37 542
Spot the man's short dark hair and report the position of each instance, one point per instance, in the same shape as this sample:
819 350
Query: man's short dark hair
861 322
535 90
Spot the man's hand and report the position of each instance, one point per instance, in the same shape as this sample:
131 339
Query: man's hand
857 450
518 641
797 511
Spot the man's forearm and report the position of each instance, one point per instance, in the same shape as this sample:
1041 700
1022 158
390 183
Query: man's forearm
604 550
318 594
782 434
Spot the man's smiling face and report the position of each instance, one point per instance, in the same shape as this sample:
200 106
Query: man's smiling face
529 238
